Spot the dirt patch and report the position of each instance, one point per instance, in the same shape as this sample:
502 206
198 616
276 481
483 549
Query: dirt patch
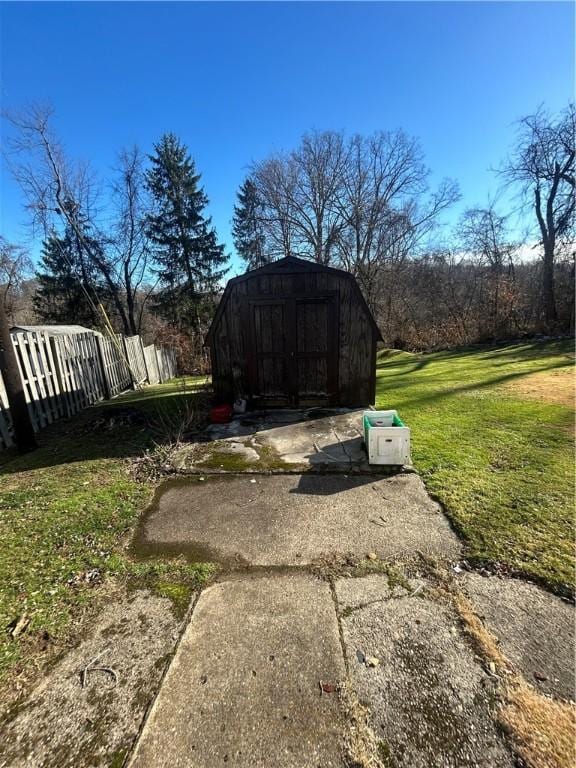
111 419
551 386
65 724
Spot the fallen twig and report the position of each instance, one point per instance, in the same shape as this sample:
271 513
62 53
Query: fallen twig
20 625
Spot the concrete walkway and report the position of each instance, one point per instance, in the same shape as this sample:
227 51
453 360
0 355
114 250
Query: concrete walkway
326 641
287 520
244 687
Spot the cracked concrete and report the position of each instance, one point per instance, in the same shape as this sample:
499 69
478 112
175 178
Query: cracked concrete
256 677
63 724
429 697
317 439
273 657
536 629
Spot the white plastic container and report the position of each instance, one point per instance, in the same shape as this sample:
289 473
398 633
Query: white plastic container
386 437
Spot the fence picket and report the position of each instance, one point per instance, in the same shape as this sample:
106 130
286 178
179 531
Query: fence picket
151 364
135 357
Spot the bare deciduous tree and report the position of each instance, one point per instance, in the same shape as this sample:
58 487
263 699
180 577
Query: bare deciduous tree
15 268
362 203
300 193
129 241
484 238
275 181
318 167
386 205
58 190
542 165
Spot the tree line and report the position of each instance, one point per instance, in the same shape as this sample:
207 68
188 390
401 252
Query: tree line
140 250
365 204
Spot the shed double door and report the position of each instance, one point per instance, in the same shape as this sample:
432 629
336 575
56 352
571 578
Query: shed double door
292 350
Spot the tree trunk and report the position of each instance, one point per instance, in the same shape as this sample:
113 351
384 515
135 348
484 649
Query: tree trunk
24 436
130 304
549 242
548 288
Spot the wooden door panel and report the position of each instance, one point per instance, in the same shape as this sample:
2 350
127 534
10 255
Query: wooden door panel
269 366
292 354
313 378
272 377
311 327
312 353
269 326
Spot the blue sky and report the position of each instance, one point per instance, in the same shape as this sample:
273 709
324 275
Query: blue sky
238 80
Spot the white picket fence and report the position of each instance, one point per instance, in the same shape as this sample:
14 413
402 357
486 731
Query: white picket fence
64 373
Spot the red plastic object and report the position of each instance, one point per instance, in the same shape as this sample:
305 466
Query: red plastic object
221 414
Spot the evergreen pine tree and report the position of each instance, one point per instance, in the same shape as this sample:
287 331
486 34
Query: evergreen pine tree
62 273
247 228
189 258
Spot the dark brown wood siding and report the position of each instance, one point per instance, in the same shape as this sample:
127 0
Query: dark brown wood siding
307 334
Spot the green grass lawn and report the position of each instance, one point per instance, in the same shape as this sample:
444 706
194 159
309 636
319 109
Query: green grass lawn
501 464
66 510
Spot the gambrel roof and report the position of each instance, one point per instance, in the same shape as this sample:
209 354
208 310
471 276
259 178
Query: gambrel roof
291 265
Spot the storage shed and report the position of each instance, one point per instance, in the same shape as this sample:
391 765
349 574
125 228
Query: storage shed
294 333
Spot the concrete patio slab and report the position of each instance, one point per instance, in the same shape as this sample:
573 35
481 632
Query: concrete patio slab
244 686
326 441
316 439
535 628
429 698
294 519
